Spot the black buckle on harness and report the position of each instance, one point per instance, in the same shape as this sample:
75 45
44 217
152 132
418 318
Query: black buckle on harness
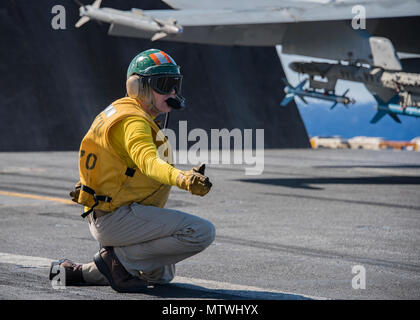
95 197
130 172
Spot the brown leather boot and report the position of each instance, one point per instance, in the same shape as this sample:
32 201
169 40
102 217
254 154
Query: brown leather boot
73 272
118 277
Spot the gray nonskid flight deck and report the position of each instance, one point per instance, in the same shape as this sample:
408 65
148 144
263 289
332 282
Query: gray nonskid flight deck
294 232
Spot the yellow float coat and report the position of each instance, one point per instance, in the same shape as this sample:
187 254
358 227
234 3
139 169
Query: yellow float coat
124 140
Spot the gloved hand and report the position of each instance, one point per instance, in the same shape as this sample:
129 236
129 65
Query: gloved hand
74 195
194 181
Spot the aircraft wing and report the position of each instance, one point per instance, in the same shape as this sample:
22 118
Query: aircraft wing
330 29
241 12
302 27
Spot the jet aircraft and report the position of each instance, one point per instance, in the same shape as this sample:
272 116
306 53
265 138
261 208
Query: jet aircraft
364 37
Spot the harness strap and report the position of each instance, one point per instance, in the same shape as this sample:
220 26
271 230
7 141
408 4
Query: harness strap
95 197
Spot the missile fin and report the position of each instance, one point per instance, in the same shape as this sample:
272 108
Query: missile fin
159 22
344 94
394 116
300 85
80 4
381 113
97 4
82 21
159 35
286 82
289 97
302 98
333 106
378 116
378 99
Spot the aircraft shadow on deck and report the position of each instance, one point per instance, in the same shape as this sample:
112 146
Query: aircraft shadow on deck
306 183
405 166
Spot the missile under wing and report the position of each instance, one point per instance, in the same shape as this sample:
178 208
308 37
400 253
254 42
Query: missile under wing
393 108
300 92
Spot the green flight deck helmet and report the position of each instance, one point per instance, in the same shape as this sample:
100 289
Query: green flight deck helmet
160 71
153 62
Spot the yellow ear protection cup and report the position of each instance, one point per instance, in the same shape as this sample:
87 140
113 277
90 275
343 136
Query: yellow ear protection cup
133 86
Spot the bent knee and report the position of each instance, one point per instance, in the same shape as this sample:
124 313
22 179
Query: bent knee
207 234
199 234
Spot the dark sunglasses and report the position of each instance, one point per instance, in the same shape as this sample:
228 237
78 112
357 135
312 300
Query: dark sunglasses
165 84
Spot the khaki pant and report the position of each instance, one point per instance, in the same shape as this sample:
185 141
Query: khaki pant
149 241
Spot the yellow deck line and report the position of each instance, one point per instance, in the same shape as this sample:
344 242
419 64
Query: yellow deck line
34 196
